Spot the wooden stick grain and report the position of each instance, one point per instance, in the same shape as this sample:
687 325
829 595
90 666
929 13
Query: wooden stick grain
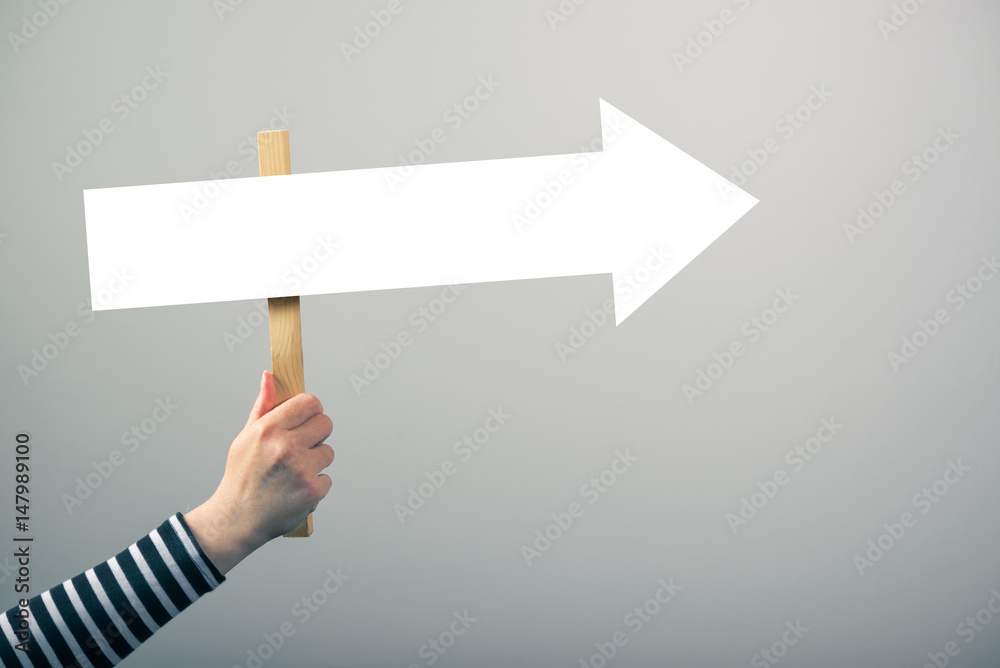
284 316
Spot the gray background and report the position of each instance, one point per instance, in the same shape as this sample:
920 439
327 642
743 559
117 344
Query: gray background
496 346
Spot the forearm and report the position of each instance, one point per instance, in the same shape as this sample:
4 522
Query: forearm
103 614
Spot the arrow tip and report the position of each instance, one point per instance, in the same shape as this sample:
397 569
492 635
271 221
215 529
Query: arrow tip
660 193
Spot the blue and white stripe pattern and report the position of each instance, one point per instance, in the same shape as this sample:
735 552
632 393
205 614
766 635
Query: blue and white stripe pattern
100 616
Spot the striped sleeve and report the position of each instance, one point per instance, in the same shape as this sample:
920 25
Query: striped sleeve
98 617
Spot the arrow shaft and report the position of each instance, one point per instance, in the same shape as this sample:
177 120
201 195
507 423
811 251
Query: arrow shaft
451 222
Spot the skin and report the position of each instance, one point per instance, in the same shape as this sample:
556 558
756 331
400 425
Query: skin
272 480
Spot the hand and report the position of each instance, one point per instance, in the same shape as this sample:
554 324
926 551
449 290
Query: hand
272 479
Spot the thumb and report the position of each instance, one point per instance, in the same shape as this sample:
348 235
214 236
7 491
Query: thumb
265 399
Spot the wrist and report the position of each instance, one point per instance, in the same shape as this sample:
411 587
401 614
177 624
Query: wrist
222 535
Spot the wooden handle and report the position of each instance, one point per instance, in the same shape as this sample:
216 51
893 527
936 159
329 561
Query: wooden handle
283 312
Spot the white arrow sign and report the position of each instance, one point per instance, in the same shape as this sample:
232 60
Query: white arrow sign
641 209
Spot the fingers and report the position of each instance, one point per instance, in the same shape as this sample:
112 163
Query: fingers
301 424
319 457
265 398
304 435
324 484
315 430
319 485
297 411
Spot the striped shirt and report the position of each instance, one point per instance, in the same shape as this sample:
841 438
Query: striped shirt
98 617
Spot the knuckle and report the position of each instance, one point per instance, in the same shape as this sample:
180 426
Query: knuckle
327 424
320 487
261 430
310 488
283 450
258 431
311 403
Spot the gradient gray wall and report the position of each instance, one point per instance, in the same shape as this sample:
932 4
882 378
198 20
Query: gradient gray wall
740 581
